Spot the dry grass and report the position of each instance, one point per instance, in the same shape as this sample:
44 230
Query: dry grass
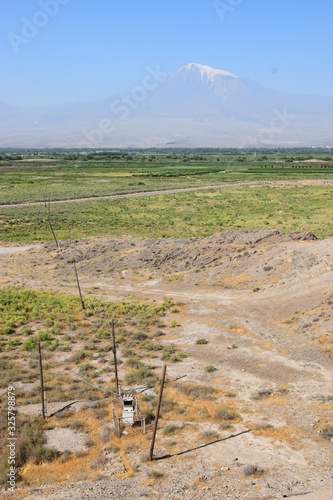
288 434
326 341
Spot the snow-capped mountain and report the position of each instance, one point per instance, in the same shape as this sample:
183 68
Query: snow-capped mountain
207 73
197 106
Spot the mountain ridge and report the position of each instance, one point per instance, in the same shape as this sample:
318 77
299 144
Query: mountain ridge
197 106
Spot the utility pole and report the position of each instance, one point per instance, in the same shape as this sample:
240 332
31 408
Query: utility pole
78 285
41 379
157 415
114 350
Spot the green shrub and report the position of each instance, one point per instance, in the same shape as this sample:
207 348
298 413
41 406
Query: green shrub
141 375
29 344
210 368
43 336
168 351
13 342
102 334
27 330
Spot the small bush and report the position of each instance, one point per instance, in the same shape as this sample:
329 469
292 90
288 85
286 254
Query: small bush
225 425
224 412
264 426
102 334
139 336
263 393
252 469
209 434
173 323
78 356
13 342
89 442
327 431
210 368
139 376
42 336
230 394
170 429
196 391
27 330
168 351
157 474
29 344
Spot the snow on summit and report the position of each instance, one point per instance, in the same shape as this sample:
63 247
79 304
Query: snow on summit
208 72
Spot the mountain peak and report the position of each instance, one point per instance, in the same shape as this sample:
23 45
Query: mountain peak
207 72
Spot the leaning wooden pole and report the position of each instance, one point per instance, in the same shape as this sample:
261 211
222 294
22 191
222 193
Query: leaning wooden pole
49 221
114 350
54 236
157 415
78 285
41 378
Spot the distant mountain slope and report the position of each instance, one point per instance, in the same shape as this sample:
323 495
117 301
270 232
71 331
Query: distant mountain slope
196 106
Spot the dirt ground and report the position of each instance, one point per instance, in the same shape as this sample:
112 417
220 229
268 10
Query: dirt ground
264 303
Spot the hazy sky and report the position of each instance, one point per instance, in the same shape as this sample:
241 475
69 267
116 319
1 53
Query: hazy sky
54 51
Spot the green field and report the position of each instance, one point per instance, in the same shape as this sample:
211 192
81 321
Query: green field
194 214
63 175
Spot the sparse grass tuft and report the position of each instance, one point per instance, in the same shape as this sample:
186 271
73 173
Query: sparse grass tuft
327 431
197 391
224 412
210 368
250 470
201 341
170 429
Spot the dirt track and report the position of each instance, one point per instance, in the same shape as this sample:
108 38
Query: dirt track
137 194
285 184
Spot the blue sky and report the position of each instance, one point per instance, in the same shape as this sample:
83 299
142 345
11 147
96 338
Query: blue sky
89 49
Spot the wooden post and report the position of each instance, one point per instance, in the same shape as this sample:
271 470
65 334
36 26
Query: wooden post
54 236
114 350
78 285
49 221
157 415
41 378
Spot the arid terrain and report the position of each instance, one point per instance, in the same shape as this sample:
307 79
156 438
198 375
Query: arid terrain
263 303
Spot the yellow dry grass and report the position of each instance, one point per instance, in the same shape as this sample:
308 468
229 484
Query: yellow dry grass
267 345
287 434
76 467
236 280
327 342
